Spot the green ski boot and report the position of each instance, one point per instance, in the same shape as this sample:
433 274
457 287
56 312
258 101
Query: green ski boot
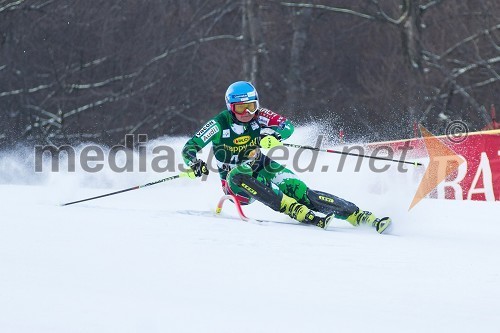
301 213
321 222
366 217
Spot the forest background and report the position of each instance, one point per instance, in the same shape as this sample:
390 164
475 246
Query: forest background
87 70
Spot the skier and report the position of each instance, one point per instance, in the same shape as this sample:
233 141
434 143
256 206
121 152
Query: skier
249 175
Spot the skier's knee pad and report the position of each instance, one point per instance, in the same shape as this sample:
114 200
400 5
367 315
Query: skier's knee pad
327 203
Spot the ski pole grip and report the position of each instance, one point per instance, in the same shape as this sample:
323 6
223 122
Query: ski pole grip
269 142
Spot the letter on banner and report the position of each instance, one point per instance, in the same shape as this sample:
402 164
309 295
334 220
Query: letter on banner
450 183
485 169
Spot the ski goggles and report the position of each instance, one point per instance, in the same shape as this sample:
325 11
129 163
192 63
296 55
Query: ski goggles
241 108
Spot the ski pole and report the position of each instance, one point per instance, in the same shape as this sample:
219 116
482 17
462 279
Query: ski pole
270 141
350 154
184 174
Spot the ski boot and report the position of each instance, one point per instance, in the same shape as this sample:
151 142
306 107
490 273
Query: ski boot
383 224
366 217
303 214
320 222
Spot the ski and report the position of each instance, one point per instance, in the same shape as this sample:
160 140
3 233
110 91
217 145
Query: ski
212 214
386 229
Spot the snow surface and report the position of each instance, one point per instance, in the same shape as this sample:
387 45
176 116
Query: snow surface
139 262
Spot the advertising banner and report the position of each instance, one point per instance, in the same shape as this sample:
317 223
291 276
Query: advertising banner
478 174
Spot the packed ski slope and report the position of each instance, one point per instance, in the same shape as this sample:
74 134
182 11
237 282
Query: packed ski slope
154 260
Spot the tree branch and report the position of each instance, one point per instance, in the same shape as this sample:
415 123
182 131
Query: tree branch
17 5
333 9
389 19
429 5
11 6
192 43
468 39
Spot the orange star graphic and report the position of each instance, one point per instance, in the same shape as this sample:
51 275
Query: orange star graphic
443 162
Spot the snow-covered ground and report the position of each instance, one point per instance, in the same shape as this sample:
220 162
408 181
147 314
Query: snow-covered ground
142 262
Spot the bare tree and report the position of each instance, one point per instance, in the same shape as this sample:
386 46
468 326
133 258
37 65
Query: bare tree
110 68
253 42
431 78
295 83
79 70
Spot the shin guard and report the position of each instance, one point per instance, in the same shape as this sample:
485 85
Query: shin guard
327 204
258 191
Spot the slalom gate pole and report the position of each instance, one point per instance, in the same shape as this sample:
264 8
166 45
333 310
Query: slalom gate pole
181 175
350 154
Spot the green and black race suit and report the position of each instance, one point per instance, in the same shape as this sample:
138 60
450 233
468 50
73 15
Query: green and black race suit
236 150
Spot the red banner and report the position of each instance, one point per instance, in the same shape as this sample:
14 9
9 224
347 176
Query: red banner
476 179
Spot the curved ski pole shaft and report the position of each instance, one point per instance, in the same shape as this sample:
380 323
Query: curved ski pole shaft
351 154
184 174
